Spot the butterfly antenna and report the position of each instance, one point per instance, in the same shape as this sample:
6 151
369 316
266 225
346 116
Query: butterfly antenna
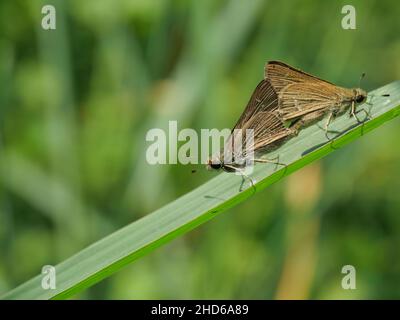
361 77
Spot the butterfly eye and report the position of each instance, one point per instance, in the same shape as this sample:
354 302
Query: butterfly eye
215 166
360 99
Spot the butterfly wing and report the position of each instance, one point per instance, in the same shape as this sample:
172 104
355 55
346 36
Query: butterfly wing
269 131
300 99
260 116
263 98
301 94
280 75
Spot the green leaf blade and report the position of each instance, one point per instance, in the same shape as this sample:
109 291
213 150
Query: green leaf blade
111 253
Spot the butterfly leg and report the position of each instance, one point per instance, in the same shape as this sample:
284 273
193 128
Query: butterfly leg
263 160
371 96
369 103
367 117
294 131
353 112
274 161
243 180
243 177
331 116
367 114
241 185
327 123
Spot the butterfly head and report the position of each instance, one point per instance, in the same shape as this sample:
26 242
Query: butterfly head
359 95
213 163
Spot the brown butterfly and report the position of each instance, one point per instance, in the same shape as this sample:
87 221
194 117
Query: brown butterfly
304 99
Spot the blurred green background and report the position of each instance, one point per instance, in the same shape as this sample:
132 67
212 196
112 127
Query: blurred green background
76 103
